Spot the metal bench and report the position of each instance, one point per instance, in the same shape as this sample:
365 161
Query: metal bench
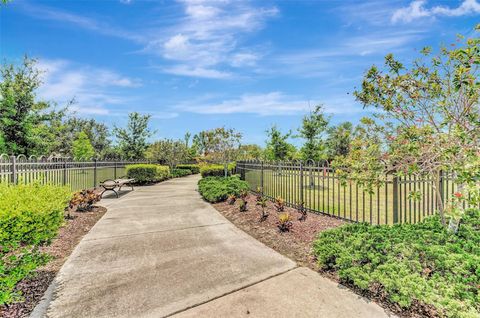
111 185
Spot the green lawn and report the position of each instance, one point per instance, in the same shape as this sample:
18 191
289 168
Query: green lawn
323 192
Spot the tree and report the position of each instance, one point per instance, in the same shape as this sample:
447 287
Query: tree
20 113
82 147
430 118
187 138
168 151
338 140
250 152
133 139
97 133
199 142
222 145
277 146
313 126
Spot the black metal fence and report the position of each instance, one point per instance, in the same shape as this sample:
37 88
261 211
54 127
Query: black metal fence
77 175
396 200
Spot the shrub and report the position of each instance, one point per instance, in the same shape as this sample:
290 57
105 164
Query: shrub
422 264
284 222
217 189
177 173
30 215
147 173
211 170
84 200
243 201
194 168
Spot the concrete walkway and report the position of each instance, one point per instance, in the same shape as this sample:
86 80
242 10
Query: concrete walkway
161 251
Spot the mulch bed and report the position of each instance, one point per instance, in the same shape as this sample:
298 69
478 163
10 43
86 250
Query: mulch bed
33 288
295 244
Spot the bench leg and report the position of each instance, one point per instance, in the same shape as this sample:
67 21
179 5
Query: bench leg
116 193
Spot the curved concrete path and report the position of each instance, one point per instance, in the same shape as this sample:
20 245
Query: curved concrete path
161 251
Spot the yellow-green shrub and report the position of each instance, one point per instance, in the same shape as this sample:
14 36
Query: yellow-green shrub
30 215
147 173
215 170
194 168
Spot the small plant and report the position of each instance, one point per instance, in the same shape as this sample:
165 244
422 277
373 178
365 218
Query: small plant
258 194
263 203
231 199
284 222
279 204
84 200
302 210
243 201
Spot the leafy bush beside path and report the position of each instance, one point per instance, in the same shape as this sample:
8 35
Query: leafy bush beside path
217 189
411 265
30 215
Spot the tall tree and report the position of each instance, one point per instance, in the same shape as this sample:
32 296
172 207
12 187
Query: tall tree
337 142
433 115
82 147
20 113
222 145
250 152
168 151
278 147
200 143
133 139
186 138
313 126
97 133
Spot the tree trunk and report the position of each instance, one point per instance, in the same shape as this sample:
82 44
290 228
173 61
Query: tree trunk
225 165
440 205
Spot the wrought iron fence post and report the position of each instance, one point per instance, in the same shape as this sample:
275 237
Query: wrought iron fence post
14 170
115 169
301 184
261 177
395 199
64 172
94 173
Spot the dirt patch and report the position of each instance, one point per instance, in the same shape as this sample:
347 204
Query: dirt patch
295 244
33 288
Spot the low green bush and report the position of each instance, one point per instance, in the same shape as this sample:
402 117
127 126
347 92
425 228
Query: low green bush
147 173
410 264
194 168
214 170
178 173
30 215
217 189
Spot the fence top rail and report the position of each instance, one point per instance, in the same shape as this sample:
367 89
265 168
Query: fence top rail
8 159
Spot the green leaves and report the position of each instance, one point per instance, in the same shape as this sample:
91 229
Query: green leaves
217 189
30 215
422 263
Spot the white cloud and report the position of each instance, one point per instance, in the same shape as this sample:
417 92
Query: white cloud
187 70
269 104
417 10
91 88
208 37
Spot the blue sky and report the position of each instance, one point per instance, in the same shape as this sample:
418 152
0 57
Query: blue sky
200 64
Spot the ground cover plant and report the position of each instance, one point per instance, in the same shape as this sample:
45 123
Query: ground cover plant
147 173
30 215
178 173
217 189
422 266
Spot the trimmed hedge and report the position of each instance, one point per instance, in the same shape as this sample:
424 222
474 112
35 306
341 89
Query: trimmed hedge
147 173
410 264
30 215
214 170
217 189
177 173
194 168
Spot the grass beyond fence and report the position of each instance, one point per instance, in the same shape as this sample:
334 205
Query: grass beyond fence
77 175
322 191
